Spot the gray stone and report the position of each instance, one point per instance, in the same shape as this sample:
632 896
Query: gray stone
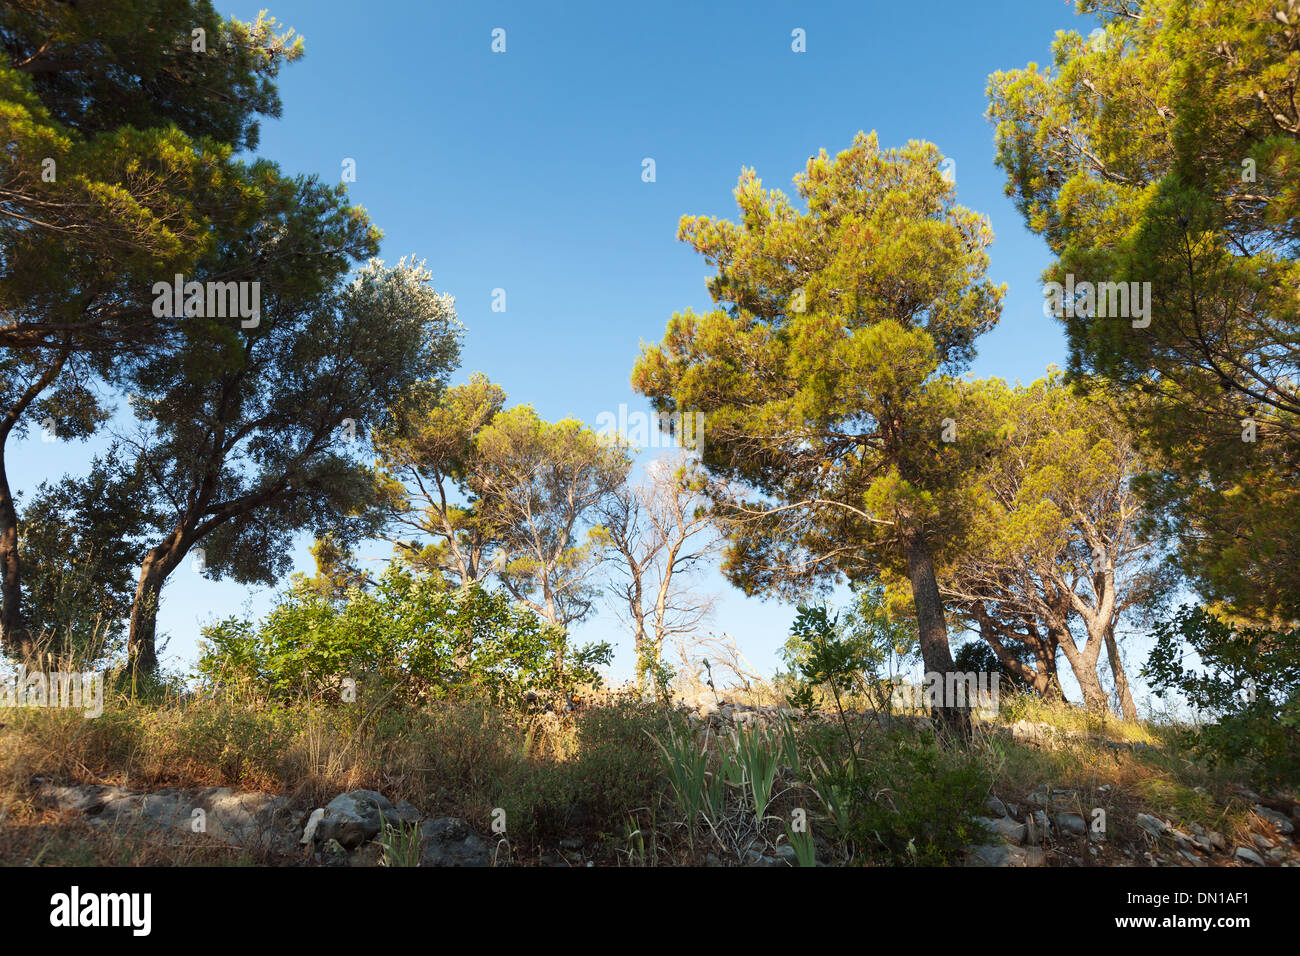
250 819
449 841
996 807
1071 823
1037 828
353 818
1153 825
1249 855
1008 830
1279 820
1004 855
407 814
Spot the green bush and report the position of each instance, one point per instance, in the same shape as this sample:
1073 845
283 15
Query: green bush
906 799
1249 686
613 773
410 637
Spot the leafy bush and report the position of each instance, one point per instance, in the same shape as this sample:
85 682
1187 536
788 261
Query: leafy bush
909 801
977 656
613 774
1250 687
411 636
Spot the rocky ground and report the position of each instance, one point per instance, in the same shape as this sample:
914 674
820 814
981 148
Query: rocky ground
345 832
1043 827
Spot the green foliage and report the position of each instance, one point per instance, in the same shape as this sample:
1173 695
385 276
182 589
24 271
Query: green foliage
861 641
698 792
825 392
399 844
1248 684
81 543
979 657
500 492
821 654
73 54
612 773
918 802
1167 154
907 800
412 637
725 788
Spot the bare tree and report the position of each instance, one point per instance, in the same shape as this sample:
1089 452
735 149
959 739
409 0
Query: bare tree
660 532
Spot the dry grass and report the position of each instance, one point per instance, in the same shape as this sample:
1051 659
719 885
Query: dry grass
595 773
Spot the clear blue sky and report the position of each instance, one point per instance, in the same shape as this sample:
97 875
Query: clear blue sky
522 171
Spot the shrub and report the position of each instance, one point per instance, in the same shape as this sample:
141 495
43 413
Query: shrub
915 801
1250 687
410 635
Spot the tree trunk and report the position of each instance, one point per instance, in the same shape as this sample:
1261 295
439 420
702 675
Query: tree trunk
933 629
14 633
1126 705
141 647
17 639
1094 696
1049 679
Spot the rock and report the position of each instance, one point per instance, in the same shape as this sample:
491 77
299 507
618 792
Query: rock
245 819
1279 820
334 854
755 858
353 818
1004 855
1249 855
372 854
996 807
1071 823
1008 830
1263 842
1152 825
249 819
1037 827
85 799
449 841
1027 731
408 814
788 853
313 821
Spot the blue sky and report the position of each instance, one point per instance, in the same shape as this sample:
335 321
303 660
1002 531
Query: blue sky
522 171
